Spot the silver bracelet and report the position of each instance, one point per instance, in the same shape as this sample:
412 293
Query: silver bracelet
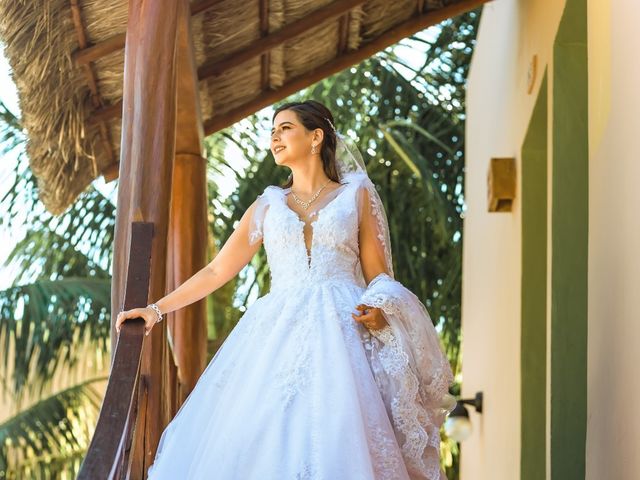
155 308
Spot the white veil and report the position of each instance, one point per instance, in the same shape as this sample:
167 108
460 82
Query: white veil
406 357
349 162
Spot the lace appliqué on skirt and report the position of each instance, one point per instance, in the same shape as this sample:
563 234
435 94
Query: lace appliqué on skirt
416 424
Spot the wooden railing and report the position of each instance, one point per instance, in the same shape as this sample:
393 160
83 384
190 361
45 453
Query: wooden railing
109 454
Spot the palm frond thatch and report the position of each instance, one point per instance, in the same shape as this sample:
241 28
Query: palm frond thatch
67 150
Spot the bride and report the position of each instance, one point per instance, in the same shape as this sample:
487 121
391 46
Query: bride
337 372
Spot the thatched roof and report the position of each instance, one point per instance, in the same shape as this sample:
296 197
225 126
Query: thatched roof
67 58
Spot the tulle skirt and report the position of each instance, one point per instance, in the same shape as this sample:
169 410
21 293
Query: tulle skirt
289 395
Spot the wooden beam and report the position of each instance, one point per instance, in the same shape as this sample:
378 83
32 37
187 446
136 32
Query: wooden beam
110 172
260 47
107 112
265 60
187 242
409 27
288 32
202 5
338 64
87 54
144 192
101 49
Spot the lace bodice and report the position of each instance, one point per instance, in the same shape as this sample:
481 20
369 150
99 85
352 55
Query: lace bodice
333 231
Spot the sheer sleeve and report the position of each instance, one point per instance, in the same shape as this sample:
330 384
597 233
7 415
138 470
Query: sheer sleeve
243 243
257 213
406 357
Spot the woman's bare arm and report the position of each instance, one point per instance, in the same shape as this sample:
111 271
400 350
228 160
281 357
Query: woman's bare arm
235 254
372 258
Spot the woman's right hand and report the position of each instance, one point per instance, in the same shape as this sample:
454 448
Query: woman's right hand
147 314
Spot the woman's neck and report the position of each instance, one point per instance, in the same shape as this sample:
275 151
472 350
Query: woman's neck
307 182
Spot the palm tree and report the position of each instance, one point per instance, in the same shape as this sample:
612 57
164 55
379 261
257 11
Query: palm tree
54 321
48 439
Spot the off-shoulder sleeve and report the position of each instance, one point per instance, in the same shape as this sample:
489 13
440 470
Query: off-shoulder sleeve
257 213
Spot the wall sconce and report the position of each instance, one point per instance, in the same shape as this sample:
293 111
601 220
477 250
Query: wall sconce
457 425
501 184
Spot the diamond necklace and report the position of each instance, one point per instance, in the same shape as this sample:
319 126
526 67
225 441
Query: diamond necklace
306 204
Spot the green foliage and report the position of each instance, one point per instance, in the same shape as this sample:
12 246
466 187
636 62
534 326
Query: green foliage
60 300
49 439
10 132
62 285
46 318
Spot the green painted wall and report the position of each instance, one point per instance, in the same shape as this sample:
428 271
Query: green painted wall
569 224
533 360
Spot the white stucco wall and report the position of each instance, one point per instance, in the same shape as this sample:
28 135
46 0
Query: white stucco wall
499 109
613 426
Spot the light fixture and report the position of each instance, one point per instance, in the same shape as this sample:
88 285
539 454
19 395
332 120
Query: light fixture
501 184
457 425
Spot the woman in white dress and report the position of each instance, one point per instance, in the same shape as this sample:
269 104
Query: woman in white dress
337 372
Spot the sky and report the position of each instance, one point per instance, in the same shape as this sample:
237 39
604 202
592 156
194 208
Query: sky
9 97
410 53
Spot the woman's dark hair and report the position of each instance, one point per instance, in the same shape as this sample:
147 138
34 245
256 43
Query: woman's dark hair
314 115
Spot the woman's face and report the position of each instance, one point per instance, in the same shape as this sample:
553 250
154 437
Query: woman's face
288 132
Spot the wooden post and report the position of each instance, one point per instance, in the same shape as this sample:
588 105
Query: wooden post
144 193
188 220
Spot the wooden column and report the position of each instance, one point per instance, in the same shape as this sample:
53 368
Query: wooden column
188 219
144 193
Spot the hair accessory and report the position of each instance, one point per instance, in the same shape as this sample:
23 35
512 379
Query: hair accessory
332 127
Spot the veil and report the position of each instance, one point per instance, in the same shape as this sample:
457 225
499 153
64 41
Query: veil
349 163
406 356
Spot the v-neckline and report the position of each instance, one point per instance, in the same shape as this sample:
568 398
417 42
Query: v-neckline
309 251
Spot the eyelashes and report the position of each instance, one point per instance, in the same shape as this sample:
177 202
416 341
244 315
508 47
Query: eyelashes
286 126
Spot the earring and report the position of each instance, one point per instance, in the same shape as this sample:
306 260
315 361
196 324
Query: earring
313 149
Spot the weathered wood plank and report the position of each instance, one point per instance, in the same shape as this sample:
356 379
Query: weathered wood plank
118 411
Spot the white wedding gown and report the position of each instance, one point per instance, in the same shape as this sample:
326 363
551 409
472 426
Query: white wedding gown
292 393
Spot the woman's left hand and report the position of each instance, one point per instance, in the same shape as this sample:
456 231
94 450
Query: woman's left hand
370 317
